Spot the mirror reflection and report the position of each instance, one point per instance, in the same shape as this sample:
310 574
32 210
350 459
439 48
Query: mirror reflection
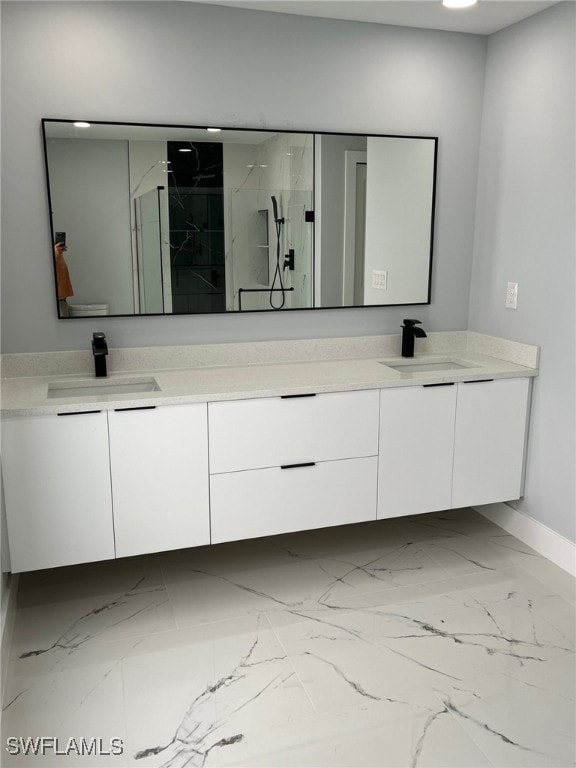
158 220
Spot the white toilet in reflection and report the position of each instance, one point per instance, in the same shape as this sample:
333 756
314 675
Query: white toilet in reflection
88 310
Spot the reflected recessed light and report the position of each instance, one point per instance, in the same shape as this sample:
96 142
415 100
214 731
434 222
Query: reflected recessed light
458 3
250 166
214 130
185 149
81 124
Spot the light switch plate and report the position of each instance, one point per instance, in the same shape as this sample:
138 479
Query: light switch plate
380 279
512 296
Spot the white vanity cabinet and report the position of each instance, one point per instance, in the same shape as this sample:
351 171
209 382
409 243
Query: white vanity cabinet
83 487
416 449
90 486
159 468
292 463
489 441
451 445
57 488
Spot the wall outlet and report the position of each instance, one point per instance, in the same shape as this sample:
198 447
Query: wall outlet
512 296
380 279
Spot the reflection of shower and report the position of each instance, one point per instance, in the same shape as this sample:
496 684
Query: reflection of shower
278 222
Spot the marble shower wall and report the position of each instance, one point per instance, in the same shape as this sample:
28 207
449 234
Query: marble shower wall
281 166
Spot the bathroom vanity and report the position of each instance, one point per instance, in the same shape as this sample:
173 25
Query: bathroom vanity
223 451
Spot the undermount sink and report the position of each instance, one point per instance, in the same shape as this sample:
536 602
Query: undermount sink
418 365
94 388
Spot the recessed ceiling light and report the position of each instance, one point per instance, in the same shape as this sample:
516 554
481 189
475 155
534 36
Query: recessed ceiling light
81 124
185 149
458 3
214 130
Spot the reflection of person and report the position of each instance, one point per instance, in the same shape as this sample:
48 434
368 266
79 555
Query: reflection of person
62 279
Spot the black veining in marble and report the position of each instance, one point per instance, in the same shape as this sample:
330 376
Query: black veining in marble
73 637
196 216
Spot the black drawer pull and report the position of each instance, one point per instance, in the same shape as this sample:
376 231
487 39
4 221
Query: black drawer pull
477 381
137 408
442 384
291 397
77 413
295 466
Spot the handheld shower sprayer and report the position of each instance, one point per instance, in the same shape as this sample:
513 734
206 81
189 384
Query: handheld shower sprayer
278 222
277 218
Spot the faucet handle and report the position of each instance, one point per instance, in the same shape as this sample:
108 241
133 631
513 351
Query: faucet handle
99 343
409 323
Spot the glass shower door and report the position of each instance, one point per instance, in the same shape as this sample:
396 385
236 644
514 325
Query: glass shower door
152 253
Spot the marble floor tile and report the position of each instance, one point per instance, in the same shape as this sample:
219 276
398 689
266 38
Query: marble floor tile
340 540
515 723
433 640
559 581
135 603
459 555
204 590
204 694
89 580
79 694
437 634
379 735
448 523
209 593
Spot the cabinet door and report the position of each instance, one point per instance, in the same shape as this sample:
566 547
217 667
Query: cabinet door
264 502
416 449
57 487
489 441
159 462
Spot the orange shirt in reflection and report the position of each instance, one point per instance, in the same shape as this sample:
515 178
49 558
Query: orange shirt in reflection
62 275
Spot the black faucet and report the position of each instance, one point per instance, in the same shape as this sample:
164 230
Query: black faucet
409 333
99 350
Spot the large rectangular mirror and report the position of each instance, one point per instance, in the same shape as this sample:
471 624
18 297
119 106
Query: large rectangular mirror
155 219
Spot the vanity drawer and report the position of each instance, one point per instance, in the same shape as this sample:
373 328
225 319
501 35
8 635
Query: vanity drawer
265 502
253 434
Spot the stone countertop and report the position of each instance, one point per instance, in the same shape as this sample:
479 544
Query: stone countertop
28 395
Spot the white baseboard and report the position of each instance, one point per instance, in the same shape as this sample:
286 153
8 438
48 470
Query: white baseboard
9 616
544 540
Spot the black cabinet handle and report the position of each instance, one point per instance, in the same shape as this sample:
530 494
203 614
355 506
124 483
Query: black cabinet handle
137 408
295 466
77 413
442 384
291 397
476 381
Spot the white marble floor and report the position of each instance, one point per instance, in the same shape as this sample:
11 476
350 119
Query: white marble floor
436 640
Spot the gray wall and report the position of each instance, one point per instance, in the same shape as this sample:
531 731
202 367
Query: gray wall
525 232
185 63
333 164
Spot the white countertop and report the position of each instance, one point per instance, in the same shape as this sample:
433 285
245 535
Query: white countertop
28 395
